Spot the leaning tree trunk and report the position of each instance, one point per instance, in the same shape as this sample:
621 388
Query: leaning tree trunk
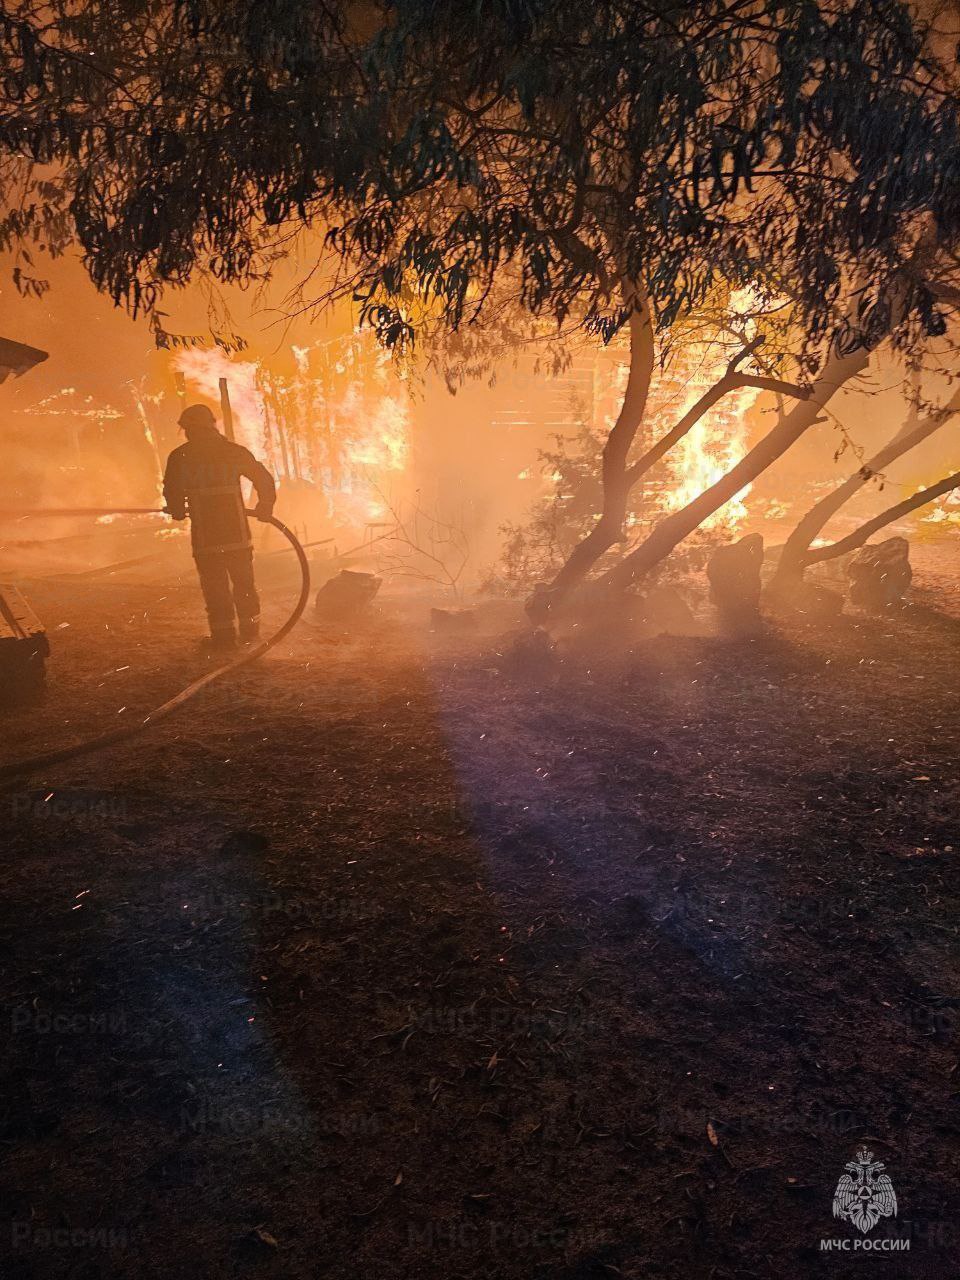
859 536
838 370
619 478
616 480
796 554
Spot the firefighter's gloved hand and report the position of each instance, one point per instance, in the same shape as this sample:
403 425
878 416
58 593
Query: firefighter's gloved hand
260 512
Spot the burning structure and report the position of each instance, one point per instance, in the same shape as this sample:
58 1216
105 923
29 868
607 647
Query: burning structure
335 430
512 937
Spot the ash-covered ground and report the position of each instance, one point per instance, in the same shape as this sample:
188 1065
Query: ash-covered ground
396 955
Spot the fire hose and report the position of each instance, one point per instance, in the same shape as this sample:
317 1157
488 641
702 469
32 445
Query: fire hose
32 763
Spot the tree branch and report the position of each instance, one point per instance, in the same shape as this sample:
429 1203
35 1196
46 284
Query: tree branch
775 385
859 536
945 292
731 381
743 354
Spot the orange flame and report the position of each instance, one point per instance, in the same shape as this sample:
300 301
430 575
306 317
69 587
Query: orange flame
343 429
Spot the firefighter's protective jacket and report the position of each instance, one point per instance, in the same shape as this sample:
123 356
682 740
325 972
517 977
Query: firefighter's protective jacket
202 480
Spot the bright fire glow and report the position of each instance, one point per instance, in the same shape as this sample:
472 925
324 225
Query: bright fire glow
719 440
202 370
337 426
711 447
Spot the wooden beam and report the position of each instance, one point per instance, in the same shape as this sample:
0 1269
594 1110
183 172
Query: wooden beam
226 409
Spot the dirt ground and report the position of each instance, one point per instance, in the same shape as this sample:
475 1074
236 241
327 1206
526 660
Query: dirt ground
401 956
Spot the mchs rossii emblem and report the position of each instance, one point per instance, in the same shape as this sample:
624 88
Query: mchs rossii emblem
864 1193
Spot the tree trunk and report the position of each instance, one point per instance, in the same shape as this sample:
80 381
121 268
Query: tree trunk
859 536
616 481
838 370
618 478
796 553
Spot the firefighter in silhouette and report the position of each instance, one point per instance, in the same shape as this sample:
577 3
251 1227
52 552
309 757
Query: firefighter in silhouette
202 480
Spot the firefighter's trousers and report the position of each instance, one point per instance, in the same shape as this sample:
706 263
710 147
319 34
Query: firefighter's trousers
226 578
